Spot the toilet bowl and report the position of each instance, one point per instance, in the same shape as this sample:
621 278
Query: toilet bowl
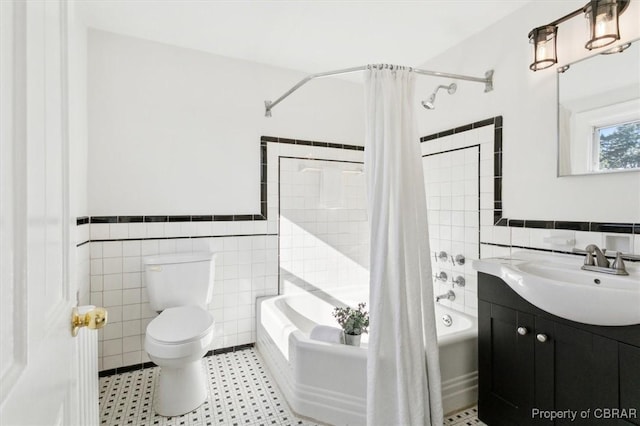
179 288
176 340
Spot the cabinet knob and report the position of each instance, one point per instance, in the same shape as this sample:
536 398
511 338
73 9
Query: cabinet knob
542 338
522 331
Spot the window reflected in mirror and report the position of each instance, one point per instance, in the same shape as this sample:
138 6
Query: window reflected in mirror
599 114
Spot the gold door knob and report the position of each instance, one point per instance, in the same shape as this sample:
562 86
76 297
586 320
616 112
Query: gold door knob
93 319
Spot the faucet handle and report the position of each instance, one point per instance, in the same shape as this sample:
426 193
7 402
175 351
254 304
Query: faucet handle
618 264
441 276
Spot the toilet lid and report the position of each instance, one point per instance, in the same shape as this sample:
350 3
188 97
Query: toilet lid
181 324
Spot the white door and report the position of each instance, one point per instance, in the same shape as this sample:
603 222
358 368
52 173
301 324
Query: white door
37 351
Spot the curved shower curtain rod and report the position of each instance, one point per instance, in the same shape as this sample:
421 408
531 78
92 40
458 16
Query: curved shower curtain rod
487 80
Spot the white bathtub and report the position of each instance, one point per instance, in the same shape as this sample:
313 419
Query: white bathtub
327 381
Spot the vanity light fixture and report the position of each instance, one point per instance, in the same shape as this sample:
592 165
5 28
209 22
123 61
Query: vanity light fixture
544 47
602 16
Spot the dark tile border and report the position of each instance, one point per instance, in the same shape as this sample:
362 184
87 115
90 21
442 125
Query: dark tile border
142 366
193 237
231 217
449 132
499 220
609 255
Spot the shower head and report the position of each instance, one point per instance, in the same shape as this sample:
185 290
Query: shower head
430 103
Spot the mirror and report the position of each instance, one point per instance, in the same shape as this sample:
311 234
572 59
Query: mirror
599 113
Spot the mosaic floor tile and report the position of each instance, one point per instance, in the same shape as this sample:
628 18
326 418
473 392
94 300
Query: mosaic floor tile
241 392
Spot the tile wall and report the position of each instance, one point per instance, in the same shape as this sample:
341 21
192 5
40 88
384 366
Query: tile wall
246 266
318 247
452 183
322 247
500 236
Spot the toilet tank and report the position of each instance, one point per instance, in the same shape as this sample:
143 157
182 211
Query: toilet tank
179 279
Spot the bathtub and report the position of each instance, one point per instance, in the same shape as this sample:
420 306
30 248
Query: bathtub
327 381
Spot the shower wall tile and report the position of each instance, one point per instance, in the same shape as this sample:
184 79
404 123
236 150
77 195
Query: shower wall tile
451 170
322 247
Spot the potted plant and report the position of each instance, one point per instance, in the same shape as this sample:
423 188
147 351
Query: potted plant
354 322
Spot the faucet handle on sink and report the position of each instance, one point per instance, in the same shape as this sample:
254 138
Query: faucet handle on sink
618 264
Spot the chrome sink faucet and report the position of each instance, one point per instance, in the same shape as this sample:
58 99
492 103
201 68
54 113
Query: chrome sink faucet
601 259
601 263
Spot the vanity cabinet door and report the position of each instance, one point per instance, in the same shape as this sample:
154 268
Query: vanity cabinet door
630 381
575 370
506 365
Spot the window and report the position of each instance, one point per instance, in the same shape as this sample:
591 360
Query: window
617 146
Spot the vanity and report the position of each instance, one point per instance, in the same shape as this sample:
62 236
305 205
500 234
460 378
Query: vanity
557 341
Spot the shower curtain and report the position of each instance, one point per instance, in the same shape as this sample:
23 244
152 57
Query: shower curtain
403 370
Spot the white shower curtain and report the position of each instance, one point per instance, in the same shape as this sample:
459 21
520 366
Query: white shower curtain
403 370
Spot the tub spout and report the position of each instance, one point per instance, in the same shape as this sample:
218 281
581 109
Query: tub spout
450 295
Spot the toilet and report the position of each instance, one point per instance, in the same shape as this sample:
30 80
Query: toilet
179 286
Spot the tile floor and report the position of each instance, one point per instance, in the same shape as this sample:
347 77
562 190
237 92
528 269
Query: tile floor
241 392
466 417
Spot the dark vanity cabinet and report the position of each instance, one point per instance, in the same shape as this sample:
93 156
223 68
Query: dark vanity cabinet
532 363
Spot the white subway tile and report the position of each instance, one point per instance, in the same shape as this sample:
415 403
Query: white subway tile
96 283
96 266
118 230
112 298
112 282
99 231
149 247
131 328
112 249
155 229
131 344
131 248
96 250
172 229
96 298
132 358
115 313
131 312
112 265
131 296
110 362
112 330
583 239
138 230
131 280
184 245
131 264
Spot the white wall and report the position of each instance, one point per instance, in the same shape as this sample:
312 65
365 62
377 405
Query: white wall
177 131
527 101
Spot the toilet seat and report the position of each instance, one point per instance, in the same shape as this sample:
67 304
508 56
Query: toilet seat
179 325
179 333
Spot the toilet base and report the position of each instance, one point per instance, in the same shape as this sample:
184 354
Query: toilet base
180 389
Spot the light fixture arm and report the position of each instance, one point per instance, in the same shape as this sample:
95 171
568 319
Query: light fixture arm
543 38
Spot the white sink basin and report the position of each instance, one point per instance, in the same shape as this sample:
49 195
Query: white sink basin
556 284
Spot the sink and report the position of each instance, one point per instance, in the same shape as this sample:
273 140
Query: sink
556 284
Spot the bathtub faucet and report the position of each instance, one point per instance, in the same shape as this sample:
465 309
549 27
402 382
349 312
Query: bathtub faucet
450 295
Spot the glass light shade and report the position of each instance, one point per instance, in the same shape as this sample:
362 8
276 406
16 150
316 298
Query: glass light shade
543 40
602 16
